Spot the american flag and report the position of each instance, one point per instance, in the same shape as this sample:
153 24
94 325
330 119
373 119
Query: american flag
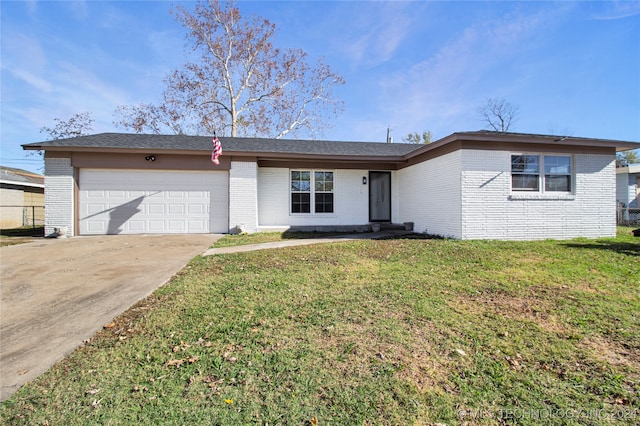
217 150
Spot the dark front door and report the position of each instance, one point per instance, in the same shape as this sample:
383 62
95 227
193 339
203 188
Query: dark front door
379 196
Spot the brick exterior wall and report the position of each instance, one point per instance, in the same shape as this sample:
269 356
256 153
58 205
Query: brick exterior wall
351 200
430 195
491 211
59 199
243 196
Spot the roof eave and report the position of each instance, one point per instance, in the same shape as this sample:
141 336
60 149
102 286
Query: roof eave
14 182
546 139
252 154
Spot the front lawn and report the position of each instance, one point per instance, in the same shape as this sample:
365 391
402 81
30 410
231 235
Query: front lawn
27 234
396 332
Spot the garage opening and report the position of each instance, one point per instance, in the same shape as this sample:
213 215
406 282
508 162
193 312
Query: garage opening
153 202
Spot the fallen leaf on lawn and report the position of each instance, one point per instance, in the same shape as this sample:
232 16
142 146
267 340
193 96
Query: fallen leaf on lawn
174 362
182 346
228 401
110 325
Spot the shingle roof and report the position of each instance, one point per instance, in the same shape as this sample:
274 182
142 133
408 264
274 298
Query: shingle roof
274 148
9 174
245 145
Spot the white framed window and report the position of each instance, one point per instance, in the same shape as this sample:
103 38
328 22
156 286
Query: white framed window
525 172
557 173
541 173
312 191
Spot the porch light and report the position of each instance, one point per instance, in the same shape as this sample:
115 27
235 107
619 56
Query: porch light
364 180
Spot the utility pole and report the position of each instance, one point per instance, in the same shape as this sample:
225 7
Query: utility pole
389 138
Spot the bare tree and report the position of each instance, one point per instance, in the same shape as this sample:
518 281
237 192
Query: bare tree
424 138
498 114
240 84
78 125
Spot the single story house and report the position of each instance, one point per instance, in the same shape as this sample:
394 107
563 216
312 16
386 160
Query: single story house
469 185
21 198
627 193
628 185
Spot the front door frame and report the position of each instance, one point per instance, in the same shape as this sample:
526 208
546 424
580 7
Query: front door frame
373 196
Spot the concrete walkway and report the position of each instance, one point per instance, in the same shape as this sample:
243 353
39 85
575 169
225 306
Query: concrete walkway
56 293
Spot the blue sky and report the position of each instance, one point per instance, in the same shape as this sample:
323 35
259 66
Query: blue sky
572 67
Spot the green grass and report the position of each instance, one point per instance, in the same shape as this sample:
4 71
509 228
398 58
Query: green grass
270 237
394 332
9 237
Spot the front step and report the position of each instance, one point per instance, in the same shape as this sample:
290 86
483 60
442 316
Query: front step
388 226
384 226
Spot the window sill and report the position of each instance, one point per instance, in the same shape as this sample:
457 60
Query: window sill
314 214
545 196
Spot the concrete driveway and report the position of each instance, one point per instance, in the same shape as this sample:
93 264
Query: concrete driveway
55 294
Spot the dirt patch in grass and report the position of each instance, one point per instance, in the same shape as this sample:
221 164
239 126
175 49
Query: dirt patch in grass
516 308
612 353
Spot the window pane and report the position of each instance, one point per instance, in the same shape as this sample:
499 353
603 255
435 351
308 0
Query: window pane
557 183
524 182
305 186
323 181
560 165
525 164
324 203
301 203
300 181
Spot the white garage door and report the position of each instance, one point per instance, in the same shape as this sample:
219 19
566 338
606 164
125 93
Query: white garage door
153 202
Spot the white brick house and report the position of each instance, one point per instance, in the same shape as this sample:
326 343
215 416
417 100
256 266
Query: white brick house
469 185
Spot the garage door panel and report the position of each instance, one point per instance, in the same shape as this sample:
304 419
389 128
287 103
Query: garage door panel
136 225
134 201
156 225
95 194
156 208
197 209
176 209
177 225
96 227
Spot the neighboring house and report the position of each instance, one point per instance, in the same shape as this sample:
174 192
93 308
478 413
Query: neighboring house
628 185
21 198
627 192
469 185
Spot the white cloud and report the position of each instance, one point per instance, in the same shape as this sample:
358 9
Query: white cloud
22 49
34 81
443 89
374 32
78 9
619 10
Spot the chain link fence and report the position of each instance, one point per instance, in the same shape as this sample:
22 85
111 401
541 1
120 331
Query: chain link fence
21 216
628 216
